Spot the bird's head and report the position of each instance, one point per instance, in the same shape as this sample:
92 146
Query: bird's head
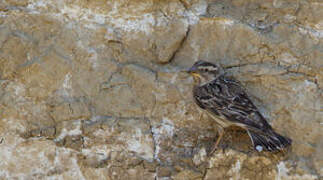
203 71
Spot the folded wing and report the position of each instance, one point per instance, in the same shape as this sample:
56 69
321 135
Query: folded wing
226 97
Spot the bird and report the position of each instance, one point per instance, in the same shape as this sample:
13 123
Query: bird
226 101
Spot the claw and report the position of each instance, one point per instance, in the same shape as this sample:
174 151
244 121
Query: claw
215 146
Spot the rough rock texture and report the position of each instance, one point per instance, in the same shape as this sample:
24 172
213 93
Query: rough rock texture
93 89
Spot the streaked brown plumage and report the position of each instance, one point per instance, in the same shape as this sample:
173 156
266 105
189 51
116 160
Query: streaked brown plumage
225 100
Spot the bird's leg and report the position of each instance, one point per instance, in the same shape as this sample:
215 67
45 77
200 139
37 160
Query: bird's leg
201 115
215 146
284 150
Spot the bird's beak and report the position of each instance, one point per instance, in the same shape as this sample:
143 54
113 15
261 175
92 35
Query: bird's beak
196 75
193 72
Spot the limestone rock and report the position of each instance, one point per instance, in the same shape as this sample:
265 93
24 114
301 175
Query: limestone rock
94 89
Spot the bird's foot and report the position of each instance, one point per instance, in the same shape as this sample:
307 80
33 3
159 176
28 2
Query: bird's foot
215 148
216 145
224 147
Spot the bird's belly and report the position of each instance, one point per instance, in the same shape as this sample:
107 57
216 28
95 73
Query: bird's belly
220 120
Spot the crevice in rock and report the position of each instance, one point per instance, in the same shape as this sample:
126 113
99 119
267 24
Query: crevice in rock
184 3
309 31
37 59
48 132
262 27
205 173
239 65
153 138
165 15
298 73
180 45
24 36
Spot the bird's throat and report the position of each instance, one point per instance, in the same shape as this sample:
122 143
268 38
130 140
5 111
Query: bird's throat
201 79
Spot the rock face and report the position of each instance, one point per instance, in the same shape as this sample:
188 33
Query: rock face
93 89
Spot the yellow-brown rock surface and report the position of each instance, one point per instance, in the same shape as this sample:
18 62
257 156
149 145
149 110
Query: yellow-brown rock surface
93 89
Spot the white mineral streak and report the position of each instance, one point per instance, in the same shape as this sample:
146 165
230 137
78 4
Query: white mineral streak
316 33
192 14
93 57
36 154
67 85
288 58
126 22
200 157
76 130
164 130
101 152
235 170
283 174
226 23
281 171
140 144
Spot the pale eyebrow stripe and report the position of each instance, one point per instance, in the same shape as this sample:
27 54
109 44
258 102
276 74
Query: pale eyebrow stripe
210 68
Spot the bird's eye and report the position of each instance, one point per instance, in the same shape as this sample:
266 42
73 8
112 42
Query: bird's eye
203 69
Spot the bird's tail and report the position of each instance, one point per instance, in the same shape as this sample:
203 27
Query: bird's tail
270 141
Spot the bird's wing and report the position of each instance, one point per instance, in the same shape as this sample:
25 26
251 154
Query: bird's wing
225 97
